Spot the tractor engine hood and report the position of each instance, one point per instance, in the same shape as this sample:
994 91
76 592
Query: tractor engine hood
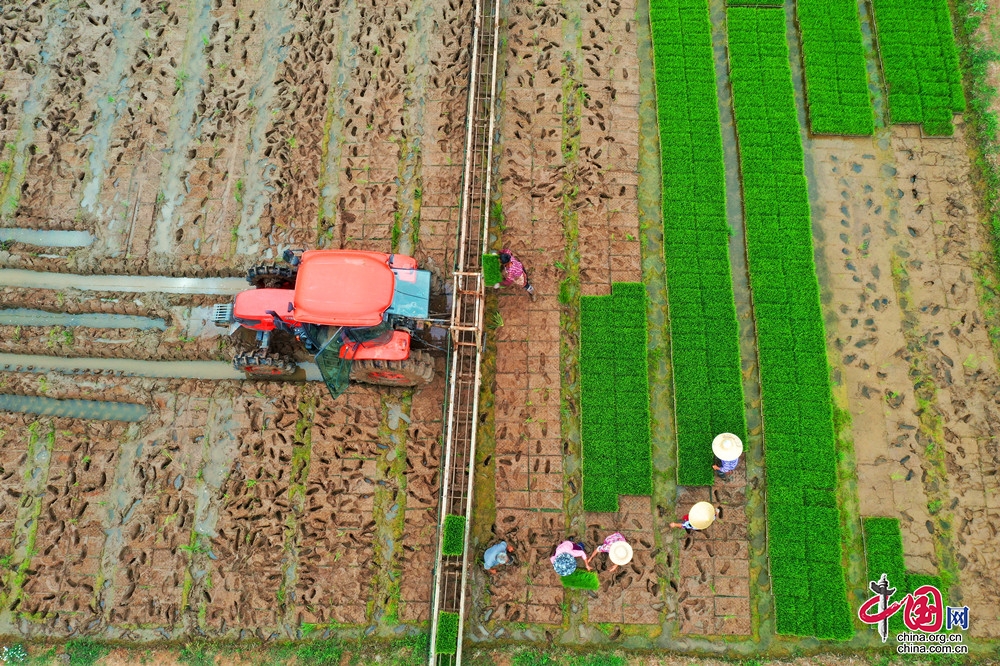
343 288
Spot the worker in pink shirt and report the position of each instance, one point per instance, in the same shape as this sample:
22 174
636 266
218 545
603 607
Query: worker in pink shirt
514 274
572 549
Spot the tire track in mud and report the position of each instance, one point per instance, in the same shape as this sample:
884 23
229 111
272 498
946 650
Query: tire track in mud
243 46
53 22
23 36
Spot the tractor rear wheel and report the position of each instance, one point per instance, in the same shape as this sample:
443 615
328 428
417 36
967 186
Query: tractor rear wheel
414 371
260 364
272 276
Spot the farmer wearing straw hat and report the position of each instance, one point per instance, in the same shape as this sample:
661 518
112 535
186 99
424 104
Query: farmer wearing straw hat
496 555
727 448
700 517
617 548
565 555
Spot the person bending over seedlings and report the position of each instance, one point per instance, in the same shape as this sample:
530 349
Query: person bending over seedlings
618 549
513 273
496 555
572 549
700 517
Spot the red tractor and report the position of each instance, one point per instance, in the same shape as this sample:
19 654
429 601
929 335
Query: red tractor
354 311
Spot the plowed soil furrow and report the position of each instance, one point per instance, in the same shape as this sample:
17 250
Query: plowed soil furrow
253 500
32 38
74 99
423 462
296 134
140 150
532 173
337 529
950 338
442 144
608 174
373 133
63 588
207 216
14 449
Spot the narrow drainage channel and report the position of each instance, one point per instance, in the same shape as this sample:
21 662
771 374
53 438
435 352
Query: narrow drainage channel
28 317
134 368
46 237
17 277
762 606
74 409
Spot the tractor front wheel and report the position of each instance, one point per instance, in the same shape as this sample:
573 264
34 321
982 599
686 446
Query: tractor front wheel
414 371
260 364
272 276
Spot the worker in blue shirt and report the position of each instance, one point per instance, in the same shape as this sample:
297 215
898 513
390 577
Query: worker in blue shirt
496 554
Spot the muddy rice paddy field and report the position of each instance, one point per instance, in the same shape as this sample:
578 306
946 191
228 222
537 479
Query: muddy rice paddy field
200 139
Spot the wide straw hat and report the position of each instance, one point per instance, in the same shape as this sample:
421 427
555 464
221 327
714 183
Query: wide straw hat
701 515
620 553
727 446
502 558
565 564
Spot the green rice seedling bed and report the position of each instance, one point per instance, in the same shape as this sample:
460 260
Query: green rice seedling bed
754 3
581 580
447 633
884 554
836 78
704 333
916 43
803 524
614 397
454 535
491 269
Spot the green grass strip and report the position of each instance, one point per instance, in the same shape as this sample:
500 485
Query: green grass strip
803 529
491 269
836 77
454 535
704 332
754 3
614 397
581 580
447 633
920 62
884 554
